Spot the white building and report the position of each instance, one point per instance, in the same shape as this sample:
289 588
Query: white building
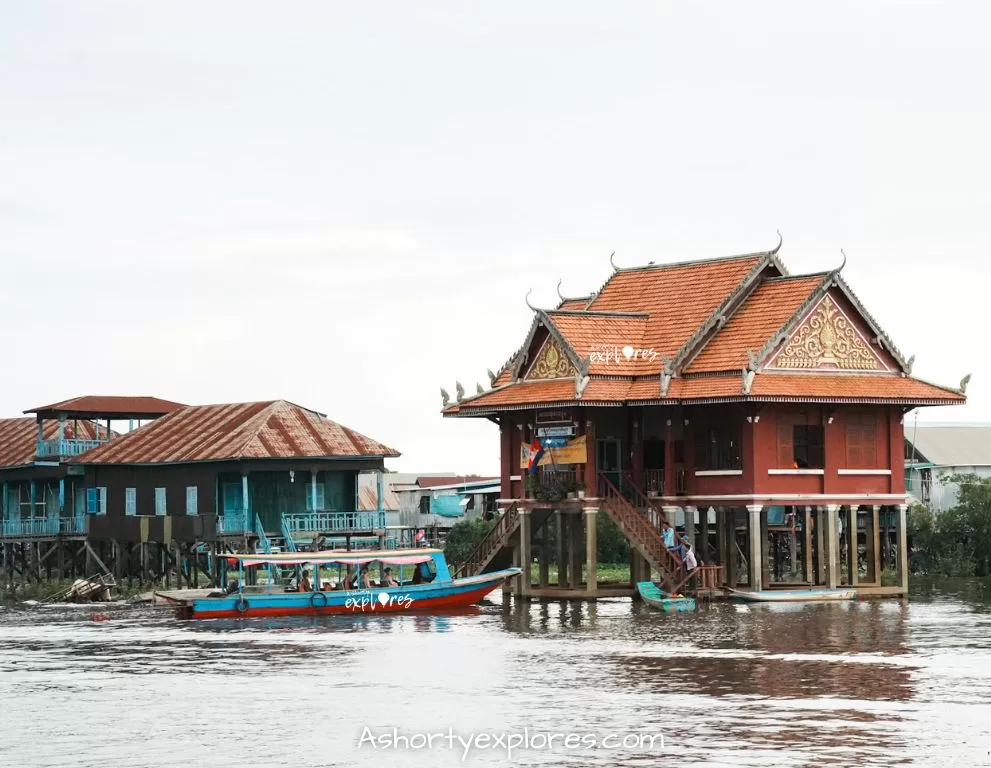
936 451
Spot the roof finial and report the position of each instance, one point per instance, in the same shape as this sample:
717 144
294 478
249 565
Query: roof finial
780 243
963 384
615 268
840 269
528 300
559 290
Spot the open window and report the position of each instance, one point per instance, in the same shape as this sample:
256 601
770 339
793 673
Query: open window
801 446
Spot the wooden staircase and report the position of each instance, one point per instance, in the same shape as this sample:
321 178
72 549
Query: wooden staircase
495 550
643 535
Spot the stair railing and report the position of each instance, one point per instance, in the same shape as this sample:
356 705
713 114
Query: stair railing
490 544
266 547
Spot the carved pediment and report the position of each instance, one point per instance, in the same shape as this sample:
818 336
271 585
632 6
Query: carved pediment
552 363
827 340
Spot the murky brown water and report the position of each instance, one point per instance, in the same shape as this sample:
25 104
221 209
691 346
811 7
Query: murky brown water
871 683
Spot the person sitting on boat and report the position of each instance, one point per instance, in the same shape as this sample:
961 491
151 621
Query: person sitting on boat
388 580
304 583
327 587
365 581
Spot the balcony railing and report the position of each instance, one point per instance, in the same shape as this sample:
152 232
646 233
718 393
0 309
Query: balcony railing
43 526
233 522
653 482
328 522
56 448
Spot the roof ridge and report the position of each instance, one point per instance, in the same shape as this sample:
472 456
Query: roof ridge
785 278
694 262
718 317
596 313
889 345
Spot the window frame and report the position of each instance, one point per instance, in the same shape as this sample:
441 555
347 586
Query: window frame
861 441
130 502
161 502
192 495
720 446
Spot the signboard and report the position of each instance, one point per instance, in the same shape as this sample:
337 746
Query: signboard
562 430
572 452
552 417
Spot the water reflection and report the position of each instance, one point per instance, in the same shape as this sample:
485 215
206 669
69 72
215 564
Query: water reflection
871 683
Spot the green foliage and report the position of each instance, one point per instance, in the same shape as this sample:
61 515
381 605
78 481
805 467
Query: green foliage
556 489
612 544
956 542
464 537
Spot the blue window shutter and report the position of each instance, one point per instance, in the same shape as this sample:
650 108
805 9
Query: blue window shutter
92 501
191 500
130 501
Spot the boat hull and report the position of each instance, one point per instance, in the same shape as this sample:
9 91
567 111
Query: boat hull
459 593
662 602
795 595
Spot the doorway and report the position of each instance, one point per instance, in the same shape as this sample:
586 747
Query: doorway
609 460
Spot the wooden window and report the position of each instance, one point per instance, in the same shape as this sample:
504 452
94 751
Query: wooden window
130 501
807 445
786 447
160 497
425 504
718 447
96 501
191 499
861 441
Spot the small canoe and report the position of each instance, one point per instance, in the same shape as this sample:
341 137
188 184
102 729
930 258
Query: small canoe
654 597
793 595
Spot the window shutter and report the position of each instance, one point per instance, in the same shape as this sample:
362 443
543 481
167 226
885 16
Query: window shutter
92 501
130 501
103 500
786 447
191 500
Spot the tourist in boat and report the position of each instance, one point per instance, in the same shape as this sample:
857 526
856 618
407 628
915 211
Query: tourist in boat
388 580
304 583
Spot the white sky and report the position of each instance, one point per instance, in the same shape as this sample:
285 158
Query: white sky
344 204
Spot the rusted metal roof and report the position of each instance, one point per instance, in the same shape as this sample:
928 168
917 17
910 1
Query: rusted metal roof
433 482
19 438
109 406
267 430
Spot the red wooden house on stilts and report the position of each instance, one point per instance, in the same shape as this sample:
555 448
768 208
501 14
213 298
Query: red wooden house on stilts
760 411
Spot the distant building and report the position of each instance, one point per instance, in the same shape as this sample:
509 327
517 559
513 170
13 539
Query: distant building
442 501
933 452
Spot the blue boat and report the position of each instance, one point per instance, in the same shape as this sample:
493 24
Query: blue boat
654 597
430 587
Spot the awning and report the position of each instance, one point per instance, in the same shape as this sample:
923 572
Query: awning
465 501
400 557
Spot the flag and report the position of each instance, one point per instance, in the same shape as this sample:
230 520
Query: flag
420 536
536 451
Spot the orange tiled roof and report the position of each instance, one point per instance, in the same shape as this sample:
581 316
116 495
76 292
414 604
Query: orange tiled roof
679 297
602 338
839 386
547 391
753 325
573 305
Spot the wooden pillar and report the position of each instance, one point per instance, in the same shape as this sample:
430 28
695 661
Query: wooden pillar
577 540
636 448
526 557
755 550
506 458
562 548
831 533
669 477
901 529
807 530
819 516
591 550
591 468
852 536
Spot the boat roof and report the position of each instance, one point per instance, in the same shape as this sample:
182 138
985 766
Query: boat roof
351 557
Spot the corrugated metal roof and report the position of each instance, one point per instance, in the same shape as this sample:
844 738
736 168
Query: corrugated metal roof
19 438
111 405
368 493
266 430
959 446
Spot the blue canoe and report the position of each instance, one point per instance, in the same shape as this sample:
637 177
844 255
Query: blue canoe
654 597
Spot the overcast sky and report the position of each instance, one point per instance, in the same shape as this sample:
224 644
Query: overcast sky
344 204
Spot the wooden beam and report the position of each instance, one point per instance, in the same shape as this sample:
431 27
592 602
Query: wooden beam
98 560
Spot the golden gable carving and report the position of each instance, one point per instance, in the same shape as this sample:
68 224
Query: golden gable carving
551 363
827 339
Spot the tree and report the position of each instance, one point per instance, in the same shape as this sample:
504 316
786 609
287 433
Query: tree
463 538
956 542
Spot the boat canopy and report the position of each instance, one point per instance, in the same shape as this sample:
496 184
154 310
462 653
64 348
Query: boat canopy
394 557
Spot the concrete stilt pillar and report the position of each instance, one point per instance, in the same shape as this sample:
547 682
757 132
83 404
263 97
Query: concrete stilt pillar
544 556
577 541
873 543
819 514
809 570
831 532
731 558
591 553
852 545
562 549
765 570
901 529
526 556
691 513
755 548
